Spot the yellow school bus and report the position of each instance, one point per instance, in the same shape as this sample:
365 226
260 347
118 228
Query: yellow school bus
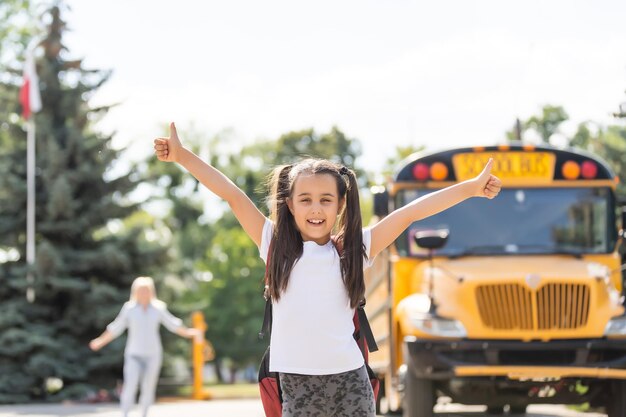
505 302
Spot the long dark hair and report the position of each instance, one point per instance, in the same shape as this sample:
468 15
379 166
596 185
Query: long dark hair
287 240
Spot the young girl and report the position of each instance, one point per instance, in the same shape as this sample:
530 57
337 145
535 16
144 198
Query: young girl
142 316
314 292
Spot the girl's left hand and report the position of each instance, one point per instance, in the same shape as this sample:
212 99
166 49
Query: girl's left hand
487 184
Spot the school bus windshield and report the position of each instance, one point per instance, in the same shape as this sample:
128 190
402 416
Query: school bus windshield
521 221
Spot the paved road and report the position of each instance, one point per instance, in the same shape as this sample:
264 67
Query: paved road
238 408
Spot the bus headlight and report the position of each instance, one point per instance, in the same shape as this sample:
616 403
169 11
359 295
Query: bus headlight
616 327
438 326
416 309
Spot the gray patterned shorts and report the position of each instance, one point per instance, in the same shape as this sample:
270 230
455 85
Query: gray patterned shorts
348 394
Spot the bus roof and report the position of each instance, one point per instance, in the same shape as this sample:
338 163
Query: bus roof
513 152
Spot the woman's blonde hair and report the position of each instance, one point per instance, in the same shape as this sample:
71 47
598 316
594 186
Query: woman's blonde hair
143 282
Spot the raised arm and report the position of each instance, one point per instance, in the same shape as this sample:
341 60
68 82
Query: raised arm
249 216
389 228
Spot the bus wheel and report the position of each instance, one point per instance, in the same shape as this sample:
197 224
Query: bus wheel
379 400
517 409
419 396
616 402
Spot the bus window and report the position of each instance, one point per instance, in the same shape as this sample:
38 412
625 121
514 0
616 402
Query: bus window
520 221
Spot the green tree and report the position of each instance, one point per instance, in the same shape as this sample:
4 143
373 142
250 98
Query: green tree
86 255
177 203
17 28
545 125
15 35
289 147
402 152
607 142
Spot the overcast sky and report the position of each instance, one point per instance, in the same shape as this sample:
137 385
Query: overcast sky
388 72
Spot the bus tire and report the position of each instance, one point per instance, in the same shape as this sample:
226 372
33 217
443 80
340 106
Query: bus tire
419 396
517 409
381 395
616 401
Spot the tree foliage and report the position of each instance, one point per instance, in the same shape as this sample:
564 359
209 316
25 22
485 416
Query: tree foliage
545 125
608 142
392 163
86 258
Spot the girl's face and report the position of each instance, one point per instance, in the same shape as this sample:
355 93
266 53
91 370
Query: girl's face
315 204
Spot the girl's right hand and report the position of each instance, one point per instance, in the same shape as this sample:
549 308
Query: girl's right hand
168 149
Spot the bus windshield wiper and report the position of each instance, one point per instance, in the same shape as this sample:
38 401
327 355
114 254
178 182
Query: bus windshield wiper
481 250
556 250
513 248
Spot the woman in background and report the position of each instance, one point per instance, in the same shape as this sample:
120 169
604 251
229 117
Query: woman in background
142 315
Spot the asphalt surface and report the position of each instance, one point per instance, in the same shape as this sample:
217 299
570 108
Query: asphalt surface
239 408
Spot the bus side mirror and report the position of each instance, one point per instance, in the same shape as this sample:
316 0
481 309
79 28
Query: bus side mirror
432 239
381 201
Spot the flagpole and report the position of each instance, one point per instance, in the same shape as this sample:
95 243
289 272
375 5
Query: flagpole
30 99
30 208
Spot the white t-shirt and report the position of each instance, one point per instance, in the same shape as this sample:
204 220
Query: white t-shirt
312 321
143 327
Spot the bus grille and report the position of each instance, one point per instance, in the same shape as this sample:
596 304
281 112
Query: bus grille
551 307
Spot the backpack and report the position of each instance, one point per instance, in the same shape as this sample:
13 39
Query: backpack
269 382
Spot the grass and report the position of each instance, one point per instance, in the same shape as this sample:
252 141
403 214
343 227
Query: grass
225 391
234 390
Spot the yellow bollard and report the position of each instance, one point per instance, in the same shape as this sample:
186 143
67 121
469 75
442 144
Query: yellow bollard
202 351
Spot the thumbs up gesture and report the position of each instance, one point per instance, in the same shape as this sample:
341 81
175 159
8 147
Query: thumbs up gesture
168 149
487 184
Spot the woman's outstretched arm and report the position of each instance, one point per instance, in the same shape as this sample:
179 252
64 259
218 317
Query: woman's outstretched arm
249 216
389 228
99 342
113 330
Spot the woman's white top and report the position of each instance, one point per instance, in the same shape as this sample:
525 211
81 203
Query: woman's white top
143 327
312 323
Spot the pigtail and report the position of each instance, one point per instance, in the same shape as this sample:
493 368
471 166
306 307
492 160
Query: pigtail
287 247
351 237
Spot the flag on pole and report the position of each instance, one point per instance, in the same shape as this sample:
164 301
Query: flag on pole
29 93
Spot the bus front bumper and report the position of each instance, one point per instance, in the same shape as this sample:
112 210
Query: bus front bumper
580 358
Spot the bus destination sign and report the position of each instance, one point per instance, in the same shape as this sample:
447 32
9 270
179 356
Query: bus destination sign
507 165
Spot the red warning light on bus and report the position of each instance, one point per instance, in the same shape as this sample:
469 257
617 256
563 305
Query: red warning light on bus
589 170
421 172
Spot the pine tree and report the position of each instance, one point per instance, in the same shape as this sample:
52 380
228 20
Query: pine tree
84 264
